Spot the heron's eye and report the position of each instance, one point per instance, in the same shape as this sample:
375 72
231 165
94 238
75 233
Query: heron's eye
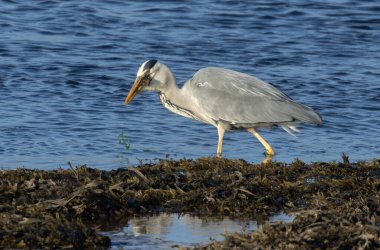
148 79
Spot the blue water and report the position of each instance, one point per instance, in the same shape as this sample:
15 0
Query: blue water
166 230
66 67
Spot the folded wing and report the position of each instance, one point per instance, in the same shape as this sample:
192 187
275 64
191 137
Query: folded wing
239 98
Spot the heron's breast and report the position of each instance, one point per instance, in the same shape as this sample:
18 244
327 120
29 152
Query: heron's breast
177 109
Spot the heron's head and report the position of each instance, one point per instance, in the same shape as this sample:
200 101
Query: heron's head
151 76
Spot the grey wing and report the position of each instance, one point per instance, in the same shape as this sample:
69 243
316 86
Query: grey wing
244 100
235 82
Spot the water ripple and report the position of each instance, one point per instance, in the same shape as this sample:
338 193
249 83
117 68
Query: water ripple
66 68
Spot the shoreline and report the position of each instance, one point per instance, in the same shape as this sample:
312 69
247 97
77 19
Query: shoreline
336 204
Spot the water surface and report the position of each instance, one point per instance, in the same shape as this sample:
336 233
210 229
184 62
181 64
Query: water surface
166 230
66 67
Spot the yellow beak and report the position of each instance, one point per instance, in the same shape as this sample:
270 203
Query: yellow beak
137 86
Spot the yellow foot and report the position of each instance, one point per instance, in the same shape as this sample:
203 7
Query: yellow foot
268 149
267 159
269 152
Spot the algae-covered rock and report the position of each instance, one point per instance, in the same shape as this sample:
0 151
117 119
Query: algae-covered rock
66 208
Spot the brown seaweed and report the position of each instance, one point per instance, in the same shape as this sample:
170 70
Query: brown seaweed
66 208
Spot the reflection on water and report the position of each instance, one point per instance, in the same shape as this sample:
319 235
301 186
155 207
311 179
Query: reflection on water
162 231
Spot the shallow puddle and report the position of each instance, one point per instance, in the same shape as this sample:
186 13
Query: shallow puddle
168 230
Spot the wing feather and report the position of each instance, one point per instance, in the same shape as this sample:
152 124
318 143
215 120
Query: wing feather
235 82
239 98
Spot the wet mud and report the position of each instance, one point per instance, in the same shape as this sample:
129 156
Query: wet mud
336 204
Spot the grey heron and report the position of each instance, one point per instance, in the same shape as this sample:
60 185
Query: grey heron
224 98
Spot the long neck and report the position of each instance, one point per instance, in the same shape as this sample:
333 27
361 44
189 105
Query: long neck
176 100
173 93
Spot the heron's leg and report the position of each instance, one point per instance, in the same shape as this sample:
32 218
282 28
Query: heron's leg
267 159
221 131
269 150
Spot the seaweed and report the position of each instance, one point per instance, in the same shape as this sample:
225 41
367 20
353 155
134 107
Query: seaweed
66 208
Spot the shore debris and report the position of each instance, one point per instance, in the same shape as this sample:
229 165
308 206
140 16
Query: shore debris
336 204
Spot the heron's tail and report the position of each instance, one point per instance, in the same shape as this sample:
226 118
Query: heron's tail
301 114
290 129
305 114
